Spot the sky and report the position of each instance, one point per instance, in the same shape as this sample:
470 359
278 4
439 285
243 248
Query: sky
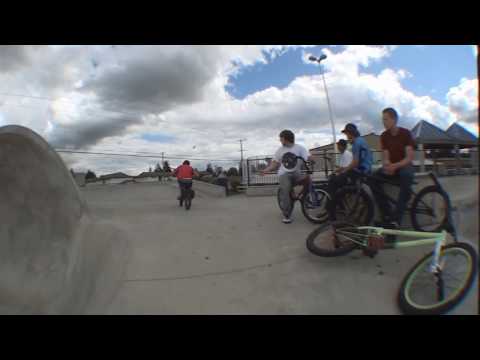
196 102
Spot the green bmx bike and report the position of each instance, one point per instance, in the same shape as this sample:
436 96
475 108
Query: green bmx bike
434 285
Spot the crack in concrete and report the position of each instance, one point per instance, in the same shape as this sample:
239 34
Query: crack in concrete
270 264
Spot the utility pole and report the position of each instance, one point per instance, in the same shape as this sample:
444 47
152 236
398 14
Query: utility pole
241 149
241 156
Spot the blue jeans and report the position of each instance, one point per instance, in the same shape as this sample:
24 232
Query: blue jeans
405 177
184 184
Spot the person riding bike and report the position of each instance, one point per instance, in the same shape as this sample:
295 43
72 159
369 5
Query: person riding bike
397 146
361 164
286 161
184 174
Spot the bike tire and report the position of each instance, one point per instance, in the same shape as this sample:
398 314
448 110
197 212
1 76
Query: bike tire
188 200
324 213
409 307
322 230
416 205
368 207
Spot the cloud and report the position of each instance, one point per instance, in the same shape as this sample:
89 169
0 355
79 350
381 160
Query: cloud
13 57
97 88
107 97
463 100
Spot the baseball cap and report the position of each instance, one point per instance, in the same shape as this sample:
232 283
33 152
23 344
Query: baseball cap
352 129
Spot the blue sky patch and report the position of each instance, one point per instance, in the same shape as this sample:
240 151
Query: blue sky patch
434 69
279 72
158 137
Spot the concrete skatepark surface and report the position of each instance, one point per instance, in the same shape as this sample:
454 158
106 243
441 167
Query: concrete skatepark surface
130 249
54 258
234 256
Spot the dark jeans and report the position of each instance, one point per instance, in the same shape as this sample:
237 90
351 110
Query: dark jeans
184 184
405 177
223 182
335 182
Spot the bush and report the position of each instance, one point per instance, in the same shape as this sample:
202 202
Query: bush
235 182
232 172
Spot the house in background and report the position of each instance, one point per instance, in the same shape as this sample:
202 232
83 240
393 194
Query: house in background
149 176
444 148
115 178
434 146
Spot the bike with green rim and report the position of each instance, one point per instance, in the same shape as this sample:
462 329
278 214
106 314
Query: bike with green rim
434 285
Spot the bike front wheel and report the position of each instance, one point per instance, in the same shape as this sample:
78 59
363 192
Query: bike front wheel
424 293
314 207
334 239
188 199
430 210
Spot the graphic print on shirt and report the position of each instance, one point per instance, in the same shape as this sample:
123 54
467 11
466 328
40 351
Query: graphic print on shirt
289 160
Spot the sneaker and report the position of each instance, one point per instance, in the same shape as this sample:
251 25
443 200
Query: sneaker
286 220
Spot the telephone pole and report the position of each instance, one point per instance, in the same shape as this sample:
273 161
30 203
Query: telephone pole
241 155
241 149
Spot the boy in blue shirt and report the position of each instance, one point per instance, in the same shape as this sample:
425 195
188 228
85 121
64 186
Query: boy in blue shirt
362 162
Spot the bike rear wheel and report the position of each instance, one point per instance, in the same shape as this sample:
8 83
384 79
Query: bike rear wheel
188 199
315 210
353 206
430 210
334 239
422 294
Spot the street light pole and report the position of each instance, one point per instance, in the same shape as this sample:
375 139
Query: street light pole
319 60
241 156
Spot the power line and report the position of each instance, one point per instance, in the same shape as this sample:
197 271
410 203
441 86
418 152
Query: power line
136 155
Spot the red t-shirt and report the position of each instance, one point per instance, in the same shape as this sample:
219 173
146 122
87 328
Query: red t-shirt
396 144
184 172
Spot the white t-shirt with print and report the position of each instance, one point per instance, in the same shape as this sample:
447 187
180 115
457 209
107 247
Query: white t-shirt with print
286 152
345 159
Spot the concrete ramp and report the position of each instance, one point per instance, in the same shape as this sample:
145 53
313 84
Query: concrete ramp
54 258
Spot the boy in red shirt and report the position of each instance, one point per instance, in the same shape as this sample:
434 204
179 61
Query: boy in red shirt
184 174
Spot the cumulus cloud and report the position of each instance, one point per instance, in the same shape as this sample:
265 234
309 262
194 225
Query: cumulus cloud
107 98
463 100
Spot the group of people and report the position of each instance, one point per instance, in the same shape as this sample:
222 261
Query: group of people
397 145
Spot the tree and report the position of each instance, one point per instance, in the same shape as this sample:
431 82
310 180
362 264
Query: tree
209 169
150 169
166 167
90 175
233 171
158 168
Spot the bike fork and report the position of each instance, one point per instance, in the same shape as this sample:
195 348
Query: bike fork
436 268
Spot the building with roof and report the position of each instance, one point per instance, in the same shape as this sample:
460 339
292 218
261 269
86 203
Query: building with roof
433 145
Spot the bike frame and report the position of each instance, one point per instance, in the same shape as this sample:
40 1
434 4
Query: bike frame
423 238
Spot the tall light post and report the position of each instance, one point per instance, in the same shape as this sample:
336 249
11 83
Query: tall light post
319 60
241 156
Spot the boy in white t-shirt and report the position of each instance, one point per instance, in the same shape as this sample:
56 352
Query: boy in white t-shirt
345 157
285 160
